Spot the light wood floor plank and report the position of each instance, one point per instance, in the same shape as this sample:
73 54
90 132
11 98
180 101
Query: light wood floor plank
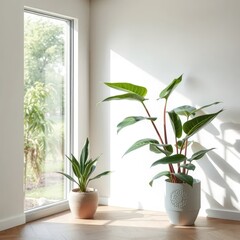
113 223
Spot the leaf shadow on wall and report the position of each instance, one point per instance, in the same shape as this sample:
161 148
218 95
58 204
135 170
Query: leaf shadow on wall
208 166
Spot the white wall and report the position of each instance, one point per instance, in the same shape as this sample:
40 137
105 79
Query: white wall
11 108
150 42
11 95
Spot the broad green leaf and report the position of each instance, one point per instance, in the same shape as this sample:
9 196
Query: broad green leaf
185 110
165 93
176 124
206 106
128 87
180 144
141 143
127 96
131 120
157 148
184 178
200 154
161 174
188 166
176 158
194 125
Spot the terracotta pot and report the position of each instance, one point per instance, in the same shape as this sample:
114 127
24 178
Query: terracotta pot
83 204
182 202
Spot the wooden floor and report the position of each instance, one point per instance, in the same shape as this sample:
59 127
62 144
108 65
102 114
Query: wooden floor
112 223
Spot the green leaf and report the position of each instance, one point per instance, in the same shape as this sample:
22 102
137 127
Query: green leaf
206 106
165 93
156 148
176 158
131 120
69 177
127 96
181 144
200 154
141 143
185 110
176 124
128 87
89 168
184 178
84 153
161 174
194 125
83 168
188 166
100 175
75 166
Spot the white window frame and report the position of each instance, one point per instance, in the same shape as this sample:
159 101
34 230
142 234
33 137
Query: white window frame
63 205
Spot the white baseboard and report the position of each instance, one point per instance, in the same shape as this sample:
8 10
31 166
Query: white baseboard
120 203
12 222
103 201
130 203
223 214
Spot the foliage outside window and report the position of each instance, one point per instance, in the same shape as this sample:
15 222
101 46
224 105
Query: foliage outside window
44 106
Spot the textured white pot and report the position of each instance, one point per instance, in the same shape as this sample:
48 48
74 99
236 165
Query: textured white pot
182 202
83 204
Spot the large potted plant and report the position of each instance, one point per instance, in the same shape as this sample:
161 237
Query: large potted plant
182 199
83 201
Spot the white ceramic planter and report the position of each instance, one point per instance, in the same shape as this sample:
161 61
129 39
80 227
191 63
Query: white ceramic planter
182 202
83 204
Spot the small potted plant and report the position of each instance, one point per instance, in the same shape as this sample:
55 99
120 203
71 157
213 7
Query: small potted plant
185 121
83 201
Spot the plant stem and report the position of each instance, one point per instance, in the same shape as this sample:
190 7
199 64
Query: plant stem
171 168
184 170
176 145
185 143
165 123
185 153
179 171
154 125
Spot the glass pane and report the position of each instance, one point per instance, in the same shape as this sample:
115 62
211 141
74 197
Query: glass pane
46 76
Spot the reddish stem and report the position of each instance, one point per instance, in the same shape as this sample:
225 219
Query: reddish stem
171 168
154 125
165 122
186 143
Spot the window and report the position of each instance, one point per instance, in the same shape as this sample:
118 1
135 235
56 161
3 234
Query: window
47 107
